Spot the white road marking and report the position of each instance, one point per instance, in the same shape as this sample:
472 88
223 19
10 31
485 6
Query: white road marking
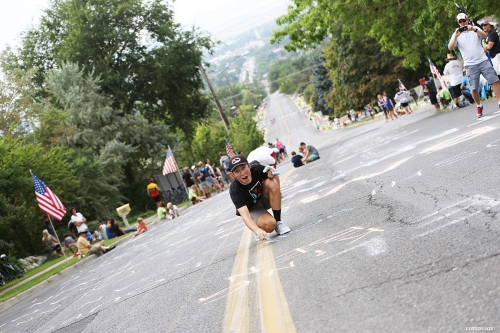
483 119
455 159
459 139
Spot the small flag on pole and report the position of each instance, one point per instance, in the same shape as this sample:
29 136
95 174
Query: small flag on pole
401 85
49 202
229 150
170 165
434 70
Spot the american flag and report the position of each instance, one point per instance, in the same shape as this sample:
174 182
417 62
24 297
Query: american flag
170 165
229 150
49 202
434 70
401 85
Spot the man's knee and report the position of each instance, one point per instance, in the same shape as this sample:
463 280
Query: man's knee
266 222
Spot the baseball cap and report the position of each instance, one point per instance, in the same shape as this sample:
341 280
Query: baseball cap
237 160
485 22
461 16
193 167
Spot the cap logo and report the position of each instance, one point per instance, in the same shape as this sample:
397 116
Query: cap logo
236 160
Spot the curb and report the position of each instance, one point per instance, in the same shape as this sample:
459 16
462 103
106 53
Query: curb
36 288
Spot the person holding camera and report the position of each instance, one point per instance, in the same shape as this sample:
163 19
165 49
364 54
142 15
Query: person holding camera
468 40
492 45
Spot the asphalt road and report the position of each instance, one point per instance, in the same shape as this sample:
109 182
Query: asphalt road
394 229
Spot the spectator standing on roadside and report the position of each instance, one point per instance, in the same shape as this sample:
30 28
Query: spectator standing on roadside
224 164
475 60
187 177
402 97
389 105
454 70
209 176
46 226
80 222
381 104
492 45
432 90
154 191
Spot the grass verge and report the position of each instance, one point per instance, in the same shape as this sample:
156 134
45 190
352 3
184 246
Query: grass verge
36 270
30 284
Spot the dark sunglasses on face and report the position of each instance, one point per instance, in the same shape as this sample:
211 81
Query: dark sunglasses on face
462 21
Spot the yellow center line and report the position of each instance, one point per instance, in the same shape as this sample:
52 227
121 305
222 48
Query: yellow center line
274 312
237 309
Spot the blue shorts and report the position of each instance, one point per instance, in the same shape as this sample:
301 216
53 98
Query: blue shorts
313 157
89 237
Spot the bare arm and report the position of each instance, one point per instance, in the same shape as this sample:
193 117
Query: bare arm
245 215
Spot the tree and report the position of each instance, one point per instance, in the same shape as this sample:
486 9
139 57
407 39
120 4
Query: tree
124 144
322 85
146 62
412 30
17 112
359 70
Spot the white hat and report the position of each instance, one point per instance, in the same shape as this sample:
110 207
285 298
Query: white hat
461 16
193 167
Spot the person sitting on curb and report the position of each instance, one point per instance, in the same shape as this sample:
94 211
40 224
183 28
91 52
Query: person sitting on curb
141 227
193 196
297 160
85 248
70 243
51 243
172 211
310 153
162 211
114 230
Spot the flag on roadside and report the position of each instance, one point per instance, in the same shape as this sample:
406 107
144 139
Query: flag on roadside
401 85
434 70
170 165
49 202
229 150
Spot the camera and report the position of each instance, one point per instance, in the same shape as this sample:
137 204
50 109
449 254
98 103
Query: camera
462 29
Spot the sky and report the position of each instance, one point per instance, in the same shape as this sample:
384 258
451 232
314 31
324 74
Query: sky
216 16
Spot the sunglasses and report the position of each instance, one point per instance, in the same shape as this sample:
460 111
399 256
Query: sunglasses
462 21
484 24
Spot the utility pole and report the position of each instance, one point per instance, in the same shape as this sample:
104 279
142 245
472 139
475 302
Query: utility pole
234 99
219 106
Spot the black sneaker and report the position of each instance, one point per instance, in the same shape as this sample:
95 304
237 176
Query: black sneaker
479 111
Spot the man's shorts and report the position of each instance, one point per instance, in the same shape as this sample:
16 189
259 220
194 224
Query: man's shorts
261 207
433 98
94 249
157 198
485 68
404 104
455 91
209 181
313 157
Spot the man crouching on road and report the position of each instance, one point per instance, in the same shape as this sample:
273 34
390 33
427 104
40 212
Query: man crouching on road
253 193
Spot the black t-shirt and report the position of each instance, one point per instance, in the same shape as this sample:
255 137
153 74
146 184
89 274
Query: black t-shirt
431 86
187 179
297 161
493 37
46 226
247 195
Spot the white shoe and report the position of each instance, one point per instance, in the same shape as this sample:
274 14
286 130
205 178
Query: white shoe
281 228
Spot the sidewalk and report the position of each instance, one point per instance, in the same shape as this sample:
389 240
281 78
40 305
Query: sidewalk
152 221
